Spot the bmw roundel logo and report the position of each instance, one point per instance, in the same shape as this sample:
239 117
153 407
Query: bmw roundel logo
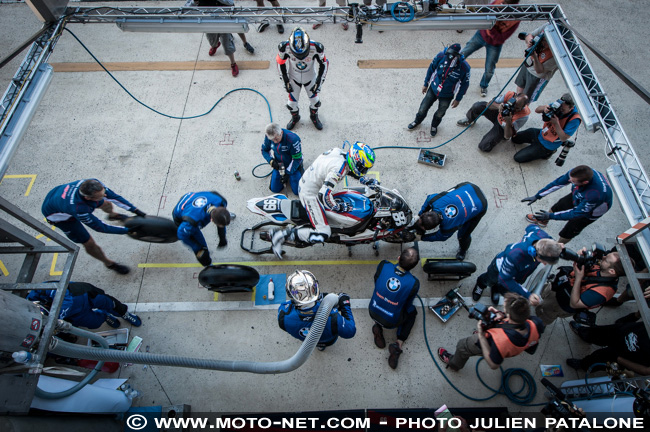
451 211
304 332
200 202
393 284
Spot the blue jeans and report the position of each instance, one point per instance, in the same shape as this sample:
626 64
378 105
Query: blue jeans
492 53
427 103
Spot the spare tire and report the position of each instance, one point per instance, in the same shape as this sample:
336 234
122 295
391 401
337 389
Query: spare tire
449 267
229 278
152 229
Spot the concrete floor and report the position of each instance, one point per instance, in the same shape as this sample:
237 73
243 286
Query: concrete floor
87 126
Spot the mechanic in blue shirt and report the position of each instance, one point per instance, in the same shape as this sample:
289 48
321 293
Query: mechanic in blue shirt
590 198
85 305
563 122
286 159
391 305
447 78
458 209
296 315
510 268
69 206
193 212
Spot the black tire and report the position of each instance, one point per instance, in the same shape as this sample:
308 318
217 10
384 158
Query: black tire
152 229
229 278
450 267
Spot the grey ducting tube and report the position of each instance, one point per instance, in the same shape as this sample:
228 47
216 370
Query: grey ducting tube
62 325
77 351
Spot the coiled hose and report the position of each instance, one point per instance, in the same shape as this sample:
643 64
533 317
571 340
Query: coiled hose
77 351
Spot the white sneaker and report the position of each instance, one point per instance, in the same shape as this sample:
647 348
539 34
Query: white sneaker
277 238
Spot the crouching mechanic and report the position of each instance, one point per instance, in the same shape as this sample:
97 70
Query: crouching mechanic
590 198
193 212
514 332
85 305
286 160
581 289
458 209
510 268
391 304
69 206
297 64
296 315
315 192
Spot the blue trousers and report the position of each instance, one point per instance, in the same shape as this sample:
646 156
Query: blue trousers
492 53
277 183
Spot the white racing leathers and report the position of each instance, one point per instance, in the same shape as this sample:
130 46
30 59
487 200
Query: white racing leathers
309 72
316 195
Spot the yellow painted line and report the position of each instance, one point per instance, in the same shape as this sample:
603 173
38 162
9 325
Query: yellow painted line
3 269
53 272
253 294
18 176
43 235
216 296
262 263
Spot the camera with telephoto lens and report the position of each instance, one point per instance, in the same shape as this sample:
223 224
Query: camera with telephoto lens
554 109
481 313
568 145
558 406
508 107
535 43
586 259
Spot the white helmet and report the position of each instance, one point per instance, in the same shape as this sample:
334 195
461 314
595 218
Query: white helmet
302 287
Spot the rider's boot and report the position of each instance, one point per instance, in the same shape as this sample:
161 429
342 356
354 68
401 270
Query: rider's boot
278 237
313 115
295 118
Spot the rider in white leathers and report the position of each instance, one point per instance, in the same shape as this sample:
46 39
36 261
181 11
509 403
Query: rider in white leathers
302 63
316 192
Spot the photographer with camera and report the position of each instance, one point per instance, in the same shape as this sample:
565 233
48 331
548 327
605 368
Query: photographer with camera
508 114
511 333
538 68
590 198
592 282
561 120
510 268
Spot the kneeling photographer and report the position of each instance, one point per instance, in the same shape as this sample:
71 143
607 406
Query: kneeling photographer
592 282
499 335
561 120
508 114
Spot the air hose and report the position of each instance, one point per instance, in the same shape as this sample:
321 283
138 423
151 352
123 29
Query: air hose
523 396
320 320
156 111
62 325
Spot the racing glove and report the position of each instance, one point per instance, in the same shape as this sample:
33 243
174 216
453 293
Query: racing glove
530 199
344 300
315 88
274 164
342 207
203 256
370 182
543 215
288 87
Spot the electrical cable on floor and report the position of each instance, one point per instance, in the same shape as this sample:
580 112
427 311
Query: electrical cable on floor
156 111
532 50
528 389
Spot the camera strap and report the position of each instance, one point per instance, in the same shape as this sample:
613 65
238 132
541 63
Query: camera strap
612 282
510 325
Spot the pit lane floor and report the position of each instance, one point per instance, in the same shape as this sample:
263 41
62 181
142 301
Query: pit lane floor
87 127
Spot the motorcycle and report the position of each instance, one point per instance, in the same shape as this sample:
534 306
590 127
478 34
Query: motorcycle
377 214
